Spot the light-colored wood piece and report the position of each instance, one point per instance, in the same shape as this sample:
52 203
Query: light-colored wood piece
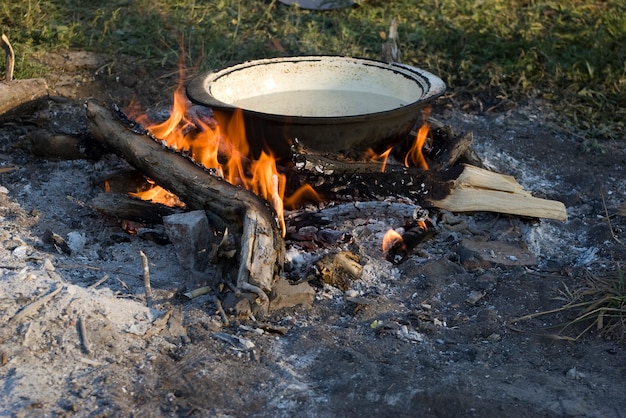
479 190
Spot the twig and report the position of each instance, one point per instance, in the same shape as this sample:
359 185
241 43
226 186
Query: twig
146 278
99 282
82 333
220 309
33 307
8 169
197 292
10 57
608 220
550 311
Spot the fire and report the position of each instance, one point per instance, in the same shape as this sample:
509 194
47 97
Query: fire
220 144
372 156
415 156
159 195
392 240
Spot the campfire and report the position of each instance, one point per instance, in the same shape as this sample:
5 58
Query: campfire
203 158
221 148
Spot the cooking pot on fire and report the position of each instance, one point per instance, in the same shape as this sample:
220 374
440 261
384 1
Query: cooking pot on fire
327 103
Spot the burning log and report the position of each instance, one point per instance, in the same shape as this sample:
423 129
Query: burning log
460 188
262 247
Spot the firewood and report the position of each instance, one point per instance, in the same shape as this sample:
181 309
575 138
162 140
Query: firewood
19 96
121 206
262 247
461 188
478 190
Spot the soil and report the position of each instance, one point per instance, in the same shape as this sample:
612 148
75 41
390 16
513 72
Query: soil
432 336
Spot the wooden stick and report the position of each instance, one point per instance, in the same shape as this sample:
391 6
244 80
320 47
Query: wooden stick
34 307
82 331
146 278
10 57
220 310
131 208
99 282
348 264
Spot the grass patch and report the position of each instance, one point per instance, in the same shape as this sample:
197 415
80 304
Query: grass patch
571 52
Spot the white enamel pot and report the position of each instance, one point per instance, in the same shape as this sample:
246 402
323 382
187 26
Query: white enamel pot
329 103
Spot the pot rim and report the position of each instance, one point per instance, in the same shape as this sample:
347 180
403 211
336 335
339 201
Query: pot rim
198 90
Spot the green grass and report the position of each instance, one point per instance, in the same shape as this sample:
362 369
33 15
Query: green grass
569 52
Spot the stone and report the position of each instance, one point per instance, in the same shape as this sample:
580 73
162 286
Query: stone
495 252
189 233
287 295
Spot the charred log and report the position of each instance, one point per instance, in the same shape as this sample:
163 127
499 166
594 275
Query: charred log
460 188
122 206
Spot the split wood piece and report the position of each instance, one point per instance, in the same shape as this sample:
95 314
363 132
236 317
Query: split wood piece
18 95
262 247
10 57
455 150
480 190
461 188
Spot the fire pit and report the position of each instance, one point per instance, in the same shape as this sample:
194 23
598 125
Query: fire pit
330 104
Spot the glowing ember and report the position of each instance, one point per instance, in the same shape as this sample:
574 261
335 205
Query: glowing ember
220 144
415 156
392 241
158 194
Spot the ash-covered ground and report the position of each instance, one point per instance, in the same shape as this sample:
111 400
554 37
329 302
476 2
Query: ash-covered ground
431 336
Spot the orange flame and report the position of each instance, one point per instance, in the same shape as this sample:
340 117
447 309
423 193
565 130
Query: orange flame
220 144
372 156
415 156
391 240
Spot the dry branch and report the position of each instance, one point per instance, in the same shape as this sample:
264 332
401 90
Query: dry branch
262 247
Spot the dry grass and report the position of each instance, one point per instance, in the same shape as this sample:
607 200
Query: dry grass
598 306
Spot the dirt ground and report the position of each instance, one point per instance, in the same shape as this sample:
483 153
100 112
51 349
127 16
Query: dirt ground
429 337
